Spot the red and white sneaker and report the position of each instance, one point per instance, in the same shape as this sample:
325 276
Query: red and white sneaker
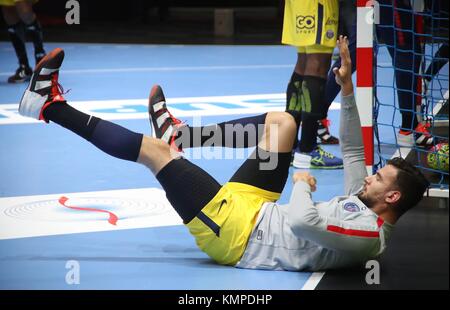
323 133
43 88
420 137
164 125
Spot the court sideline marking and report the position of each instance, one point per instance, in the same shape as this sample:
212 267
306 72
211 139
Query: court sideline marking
181 107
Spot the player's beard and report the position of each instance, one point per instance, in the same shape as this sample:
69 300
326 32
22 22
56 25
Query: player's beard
366 199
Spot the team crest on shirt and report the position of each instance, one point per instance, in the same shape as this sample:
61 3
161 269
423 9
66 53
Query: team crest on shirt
351 207
330 34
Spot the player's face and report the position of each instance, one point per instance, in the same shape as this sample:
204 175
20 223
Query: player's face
378 185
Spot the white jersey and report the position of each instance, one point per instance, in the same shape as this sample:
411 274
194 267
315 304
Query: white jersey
338 233
306 235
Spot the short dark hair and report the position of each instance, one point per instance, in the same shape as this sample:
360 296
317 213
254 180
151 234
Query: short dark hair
411 183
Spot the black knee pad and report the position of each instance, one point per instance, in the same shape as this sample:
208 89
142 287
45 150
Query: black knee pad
293 92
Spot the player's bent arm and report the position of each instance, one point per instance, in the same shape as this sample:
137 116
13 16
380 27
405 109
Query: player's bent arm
329 232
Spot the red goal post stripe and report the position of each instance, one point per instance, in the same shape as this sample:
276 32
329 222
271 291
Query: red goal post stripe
364 81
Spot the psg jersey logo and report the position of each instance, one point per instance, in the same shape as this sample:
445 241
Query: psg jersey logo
351 207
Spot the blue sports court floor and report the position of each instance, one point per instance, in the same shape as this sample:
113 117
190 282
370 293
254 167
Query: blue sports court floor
42 233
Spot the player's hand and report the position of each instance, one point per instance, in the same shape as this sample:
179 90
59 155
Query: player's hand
344 73
306 177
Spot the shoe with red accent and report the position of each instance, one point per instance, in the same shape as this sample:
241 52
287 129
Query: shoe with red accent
43 88
420 137
164 125
323 133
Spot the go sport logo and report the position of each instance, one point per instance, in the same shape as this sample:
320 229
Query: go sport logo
306 22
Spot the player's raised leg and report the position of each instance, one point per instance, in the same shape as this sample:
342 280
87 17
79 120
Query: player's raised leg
187 187
273 133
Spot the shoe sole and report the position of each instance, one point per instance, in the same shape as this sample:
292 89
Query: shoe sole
301 166
19 81
327 143
44 61
327 168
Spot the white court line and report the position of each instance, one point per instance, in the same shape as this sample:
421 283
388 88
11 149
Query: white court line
187 107
168 69
313 281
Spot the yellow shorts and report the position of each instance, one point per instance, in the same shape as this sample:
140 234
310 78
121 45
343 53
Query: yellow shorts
315 49
312 24
13 2
224 225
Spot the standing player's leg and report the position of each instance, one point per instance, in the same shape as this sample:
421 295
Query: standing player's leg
313 94
187 187
314 109
440 59
397 31
294 88
32 26
311 26
17 38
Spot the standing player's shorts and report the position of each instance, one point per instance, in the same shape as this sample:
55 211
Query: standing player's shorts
311 25
224 225
13 2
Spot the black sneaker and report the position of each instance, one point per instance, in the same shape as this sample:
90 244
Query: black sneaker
23 74
164 125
